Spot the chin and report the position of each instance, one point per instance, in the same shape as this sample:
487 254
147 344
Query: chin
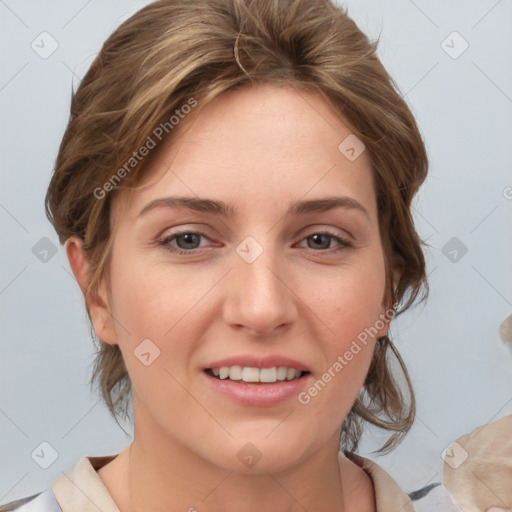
251 456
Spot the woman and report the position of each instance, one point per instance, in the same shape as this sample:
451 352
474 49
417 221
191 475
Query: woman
234 190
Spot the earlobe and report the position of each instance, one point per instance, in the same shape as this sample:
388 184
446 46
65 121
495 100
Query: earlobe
97 303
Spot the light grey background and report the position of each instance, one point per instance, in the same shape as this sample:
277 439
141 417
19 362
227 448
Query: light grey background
462 373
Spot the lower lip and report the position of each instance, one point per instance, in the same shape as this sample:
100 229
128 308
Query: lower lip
258 395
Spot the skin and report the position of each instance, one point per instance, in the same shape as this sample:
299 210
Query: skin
259 149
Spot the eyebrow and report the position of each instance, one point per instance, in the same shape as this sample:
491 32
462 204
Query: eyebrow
222 209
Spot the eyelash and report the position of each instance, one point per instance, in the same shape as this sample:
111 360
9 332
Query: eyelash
166 242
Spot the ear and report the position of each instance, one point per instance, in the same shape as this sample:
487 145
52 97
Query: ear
388 310
397 269
382 323
97 303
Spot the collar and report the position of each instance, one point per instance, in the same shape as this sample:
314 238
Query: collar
388 495
82 488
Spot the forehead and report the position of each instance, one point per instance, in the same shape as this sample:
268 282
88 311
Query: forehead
259 147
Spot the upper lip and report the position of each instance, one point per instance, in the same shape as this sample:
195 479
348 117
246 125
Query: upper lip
255 361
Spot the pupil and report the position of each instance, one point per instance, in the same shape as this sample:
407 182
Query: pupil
317 237
187 238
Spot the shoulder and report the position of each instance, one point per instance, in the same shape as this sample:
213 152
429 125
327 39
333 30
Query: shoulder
43 501
387 493
431 498
67 492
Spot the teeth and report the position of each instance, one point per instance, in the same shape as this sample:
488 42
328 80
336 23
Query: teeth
290 374
268 375
249 374
235 372
281 373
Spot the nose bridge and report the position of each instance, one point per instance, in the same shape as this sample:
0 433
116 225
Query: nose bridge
259 298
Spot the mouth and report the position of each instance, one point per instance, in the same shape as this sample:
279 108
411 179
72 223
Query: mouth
257 386
252 375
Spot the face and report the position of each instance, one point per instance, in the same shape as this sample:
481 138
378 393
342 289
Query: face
272 285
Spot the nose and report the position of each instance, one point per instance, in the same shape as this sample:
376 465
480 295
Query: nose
259 297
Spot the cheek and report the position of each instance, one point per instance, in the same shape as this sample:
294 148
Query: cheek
152 314
151 300
350 304
351 299
160 304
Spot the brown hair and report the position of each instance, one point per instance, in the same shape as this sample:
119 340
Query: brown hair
174 52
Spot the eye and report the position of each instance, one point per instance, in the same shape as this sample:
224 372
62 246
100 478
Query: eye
187 242
322 240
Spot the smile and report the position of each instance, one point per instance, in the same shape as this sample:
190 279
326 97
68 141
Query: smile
251 374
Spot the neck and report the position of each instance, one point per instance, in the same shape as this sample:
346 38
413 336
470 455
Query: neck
173 480
160 474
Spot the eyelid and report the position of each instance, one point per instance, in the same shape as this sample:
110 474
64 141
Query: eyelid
327 229
171 231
